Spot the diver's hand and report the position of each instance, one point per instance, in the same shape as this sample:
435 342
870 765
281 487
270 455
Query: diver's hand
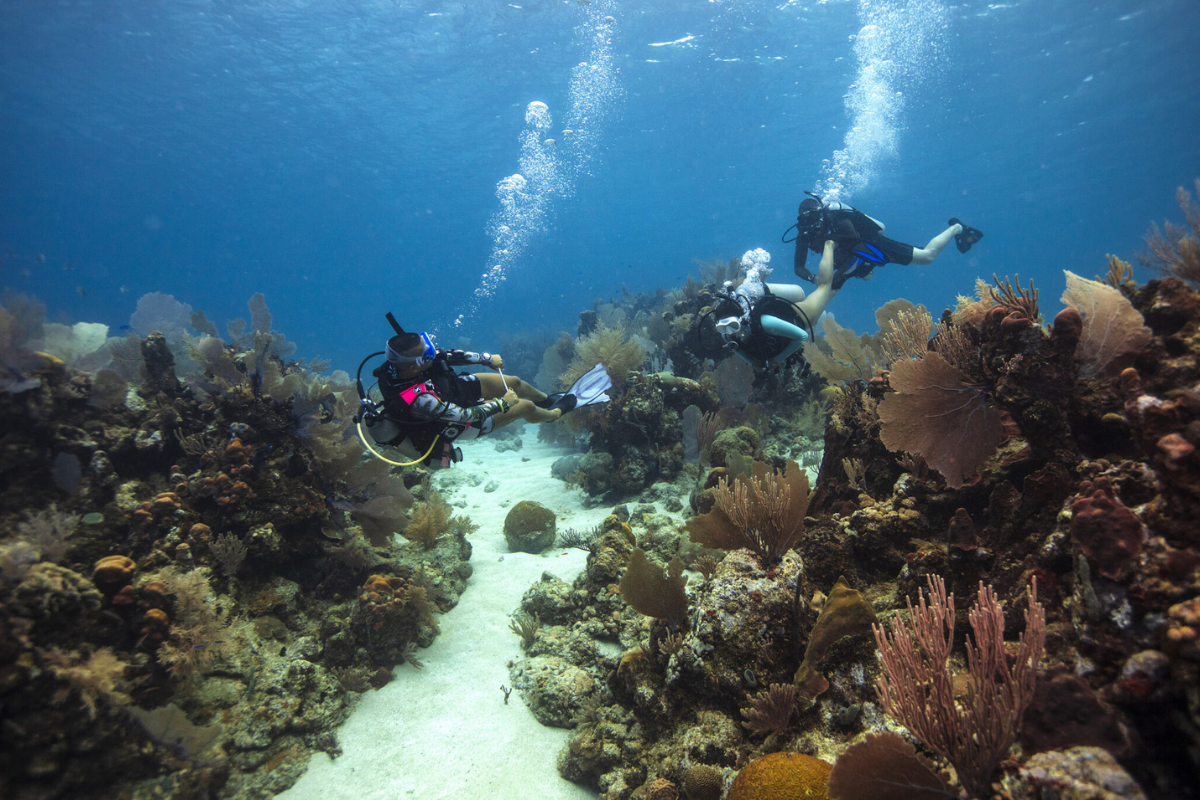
511 398
496 362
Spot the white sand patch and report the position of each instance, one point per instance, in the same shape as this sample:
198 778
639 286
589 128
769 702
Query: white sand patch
444 731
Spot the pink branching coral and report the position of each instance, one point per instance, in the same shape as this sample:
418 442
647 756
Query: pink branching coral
917 689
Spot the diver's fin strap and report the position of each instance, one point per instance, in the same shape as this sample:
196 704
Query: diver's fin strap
873 254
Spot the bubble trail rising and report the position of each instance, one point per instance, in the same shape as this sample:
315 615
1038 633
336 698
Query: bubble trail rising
899 44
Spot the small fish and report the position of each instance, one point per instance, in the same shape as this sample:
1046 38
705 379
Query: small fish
67 266
82 292
41 258
124 327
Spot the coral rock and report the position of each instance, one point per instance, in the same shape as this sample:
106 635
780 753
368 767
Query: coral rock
1108 532
661 789
703 782
1079 773
529 527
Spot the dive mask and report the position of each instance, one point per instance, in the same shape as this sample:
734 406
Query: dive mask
427 355
730 326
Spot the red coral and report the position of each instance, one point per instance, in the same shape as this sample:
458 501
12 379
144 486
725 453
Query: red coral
936 414
1109 533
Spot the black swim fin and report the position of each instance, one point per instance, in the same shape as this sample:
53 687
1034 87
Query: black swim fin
968 237
564 400
565 403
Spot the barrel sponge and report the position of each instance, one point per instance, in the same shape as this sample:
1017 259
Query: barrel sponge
782 776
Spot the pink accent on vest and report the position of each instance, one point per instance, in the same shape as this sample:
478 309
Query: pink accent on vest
411 394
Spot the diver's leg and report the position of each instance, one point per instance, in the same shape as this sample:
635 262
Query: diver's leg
926 255
494 386
526 410
778 327
788 291
814 305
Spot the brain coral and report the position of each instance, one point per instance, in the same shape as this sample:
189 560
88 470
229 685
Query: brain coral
781 776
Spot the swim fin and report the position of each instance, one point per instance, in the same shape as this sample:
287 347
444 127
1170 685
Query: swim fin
589 389
968 237
563 400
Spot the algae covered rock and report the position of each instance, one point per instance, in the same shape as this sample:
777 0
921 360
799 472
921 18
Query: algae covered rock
529 527
553 688
743 441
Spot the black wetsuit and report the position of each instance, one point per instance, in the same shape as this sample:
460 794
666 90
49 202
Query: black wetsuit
447 404
861 245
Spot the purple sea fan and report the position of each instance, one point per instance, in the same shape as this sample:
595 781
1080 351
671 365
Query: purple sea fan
935 413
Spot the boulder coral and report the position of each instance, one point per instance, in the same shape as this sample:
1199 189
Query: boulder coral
782 776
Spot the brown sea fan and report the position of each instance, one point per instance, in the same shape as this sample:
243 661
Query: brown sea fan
936 414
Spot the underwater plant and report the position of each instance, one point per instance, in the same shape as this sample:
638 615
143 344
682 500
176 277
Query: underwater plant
1175 250
429 522
612 347
763 511
655 594
850 358
1112 327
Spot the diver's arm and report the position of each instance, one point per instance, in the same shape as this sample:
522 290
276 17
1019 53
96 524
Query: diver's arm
458 358
429 407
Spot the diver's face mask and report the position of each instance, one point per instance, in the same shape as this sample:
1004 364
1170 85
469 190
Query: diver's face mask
730 327
426 357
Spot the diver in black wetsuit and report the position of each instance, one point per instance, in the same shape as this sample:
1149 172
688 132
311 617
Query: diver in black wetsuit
861 245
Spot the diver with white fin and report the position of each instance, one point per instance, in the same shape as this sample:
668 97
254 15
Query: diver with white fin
422 406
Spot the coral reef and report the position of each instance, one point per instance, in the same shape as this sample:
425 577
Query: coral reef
982 456
186 531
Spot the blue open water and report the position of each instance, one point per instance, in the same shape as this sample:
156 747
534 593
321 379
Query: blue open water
343 157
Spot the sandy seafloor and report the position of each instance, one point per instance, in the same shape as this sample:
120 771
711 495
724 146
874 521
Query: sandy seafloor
444 731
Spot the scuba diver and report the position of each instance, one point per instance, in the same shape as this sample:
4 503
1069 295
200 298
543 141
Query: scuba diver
765 324
861 243
425 406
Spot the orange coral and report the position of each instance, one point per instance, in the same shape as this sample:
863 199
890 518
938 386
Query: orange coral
154 594
236 452
112 573
165 503
200 532
782 776
155 626
661 789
